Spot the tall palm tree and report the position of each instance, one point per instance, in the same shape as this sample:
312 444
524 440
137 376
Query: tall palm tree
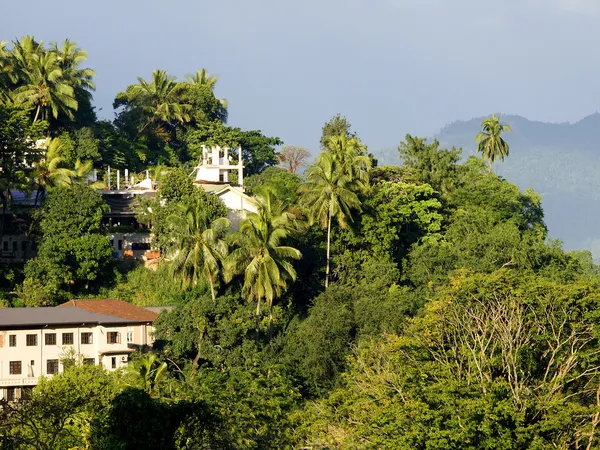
51 172
202 78
260 256
70 57
489 141
158 99
199 245
41 81
333 184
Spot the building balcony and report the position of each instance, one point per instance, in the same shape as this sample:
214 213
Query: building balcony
10 382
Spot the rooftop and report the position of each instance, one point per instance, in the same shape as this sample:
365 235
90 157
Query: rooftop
51 316
113 307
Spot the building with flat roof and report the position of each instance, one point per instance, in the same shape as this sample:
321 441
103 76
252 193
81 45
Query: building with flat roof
35 341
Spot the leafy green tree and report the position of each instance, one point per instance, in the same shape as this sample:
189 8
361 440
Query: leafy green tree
337 126
72 241
200 247
60 411
430 164
260 256
284 185
489 141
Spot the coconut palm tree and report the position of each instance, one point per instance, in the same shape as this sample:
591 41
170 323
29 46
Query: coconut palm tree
199 245
70 57
41 81
259 255
489 141
333 184
202 78
158 100
51 171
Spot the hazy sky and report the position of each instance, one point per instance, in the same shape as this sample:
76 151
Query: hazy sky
391 66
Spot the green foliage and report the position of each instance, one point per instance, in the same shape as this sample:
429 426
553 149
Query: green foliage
337 126
283 184
73 253
430 164
60 412
146 287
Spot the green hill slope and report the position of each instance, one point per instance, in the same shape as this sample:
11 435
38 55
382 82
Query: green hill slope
560 161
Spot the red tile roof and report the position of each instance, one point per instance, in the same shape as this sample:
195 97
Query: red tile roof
114 307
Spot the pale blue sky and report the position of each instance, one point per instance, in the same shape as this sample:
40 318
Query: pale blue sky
391 66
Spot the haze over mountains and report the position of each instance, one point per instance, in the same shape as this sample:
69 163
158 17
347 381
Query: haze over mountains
561 161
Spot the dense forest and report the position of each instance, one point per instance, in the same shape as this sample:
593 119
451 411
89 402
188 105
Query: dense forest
420 306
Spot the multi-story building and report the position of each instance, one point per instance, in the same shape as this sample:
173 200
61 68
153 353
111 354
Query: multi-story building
36 341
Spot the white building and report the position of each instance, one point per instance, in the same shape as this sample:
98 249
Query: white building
34 340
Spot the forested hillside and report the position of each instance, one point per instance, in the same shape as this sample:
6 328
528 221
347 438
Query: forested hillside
560 161
414 306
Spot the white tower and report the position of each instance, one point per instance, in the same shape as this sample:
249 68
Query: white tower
215 166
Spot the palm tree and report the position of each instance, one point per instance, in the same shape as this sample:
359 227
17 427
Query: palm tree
81 174
202 78
158 99
147 371
41 81
199 245
70 57
261 257
51 172
333 184
489 141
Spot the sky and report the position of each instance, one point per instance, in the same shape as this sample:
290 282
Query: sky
391 66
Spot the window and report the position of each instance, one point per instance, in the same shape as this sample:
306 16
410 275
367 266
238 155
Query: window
5 246
14 367
67 339
52 366
23 246
113 362
140 246
89 361
129 336
120 244
31 340
12 340
112 337
15 246
86 338
11 394
50 338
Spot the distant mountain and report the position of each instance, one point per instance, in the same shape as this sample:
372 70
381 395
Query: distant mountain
559 161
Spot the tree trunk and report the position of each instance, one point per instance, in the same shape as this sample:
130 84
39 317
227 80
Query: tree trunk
270 320
328 249
212 287
37 113
256 320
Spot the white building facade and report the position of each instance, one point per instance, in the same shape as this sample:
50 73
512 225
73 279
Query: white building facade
35 341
